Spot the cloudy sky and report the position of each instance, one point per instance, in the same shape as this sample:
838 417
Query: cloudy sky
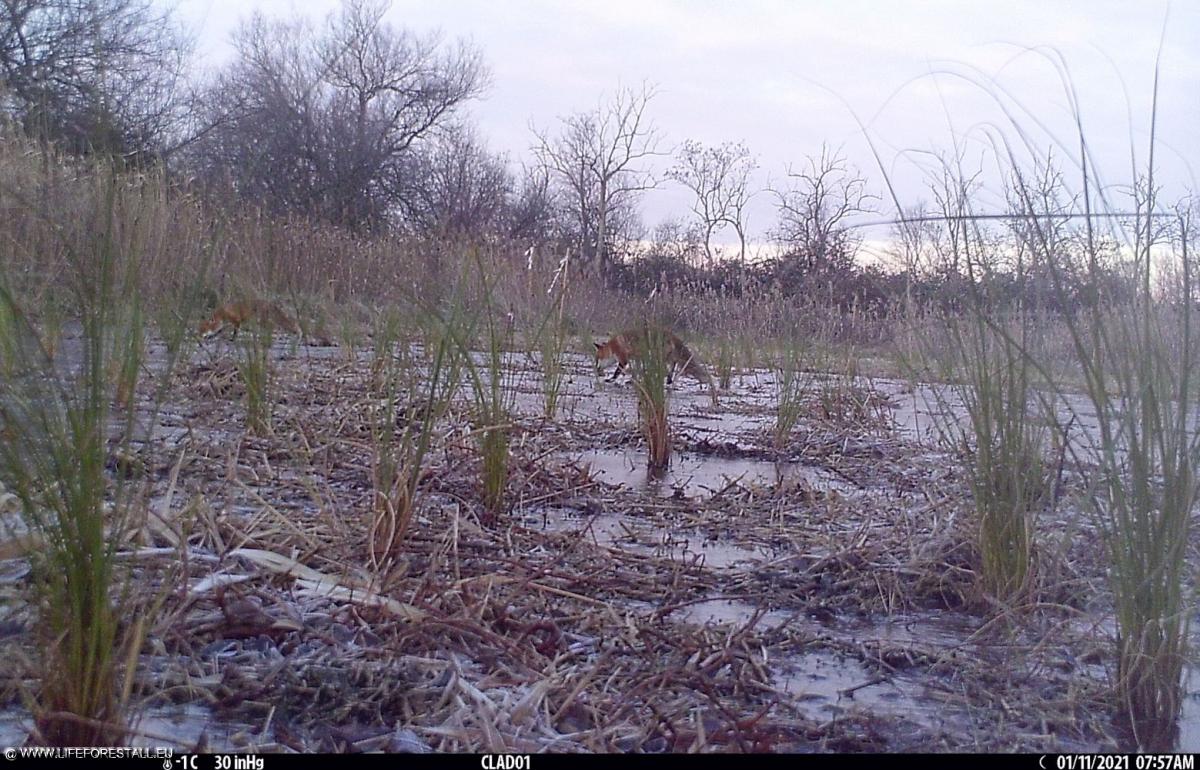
785 76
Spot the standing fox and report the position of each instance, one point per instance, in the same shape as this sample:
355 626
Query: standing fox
632 344
237 313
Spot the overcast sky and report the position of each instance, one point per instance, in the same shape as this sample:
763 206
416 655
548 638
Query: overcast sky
787 75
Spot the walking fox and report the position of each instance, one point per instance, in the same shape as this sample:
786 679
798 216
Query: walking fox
632 343
237 313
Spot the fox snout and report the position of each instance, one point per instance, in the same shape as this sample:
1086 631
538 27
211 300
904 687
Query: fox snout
209 329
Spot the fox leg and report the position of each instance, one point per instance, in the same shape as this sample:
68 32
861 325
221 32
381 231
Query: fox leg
617 372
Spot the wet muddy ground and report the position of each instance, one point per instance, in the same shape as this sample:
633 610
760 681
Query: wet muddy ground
815 596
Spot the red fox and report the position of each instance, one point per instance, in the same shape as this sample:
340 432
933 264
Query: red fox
632 344
237 313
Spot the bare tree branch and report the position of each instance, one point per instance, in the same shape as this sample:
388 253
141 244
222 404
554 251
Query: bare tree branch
815 209
326 123
597 158
100 76
719 178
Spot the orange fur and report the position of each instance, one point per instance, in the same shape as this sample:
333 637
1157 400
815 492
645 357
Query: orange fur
631 343
237 313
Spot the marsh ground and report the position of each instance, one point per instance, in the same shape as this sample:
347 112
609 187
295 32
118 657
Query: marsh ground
814 596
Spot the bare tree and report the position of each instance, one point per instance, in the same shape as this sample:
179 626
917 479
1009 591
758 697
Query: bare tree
263 123
597 157
1187 242
457 187
958 243
536 212
719 177
815 209
675 241
912 244
1039 196
325 125
99 76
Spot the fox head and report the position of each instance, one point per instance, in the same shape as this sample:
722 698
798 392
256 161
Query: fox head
210 327
603 350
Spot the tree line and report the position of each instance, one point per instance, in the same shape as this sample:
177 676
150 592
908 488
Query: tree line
362 124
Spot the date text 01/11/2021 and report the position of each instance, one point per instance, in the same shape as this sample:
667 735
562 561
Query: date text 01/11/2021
1119 762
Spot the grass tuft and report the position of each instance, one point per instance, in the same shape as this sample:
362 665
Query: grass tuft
650 380
254 365
66 413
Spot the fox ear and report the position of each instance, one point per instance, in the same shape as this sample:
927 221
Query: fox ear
598 345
